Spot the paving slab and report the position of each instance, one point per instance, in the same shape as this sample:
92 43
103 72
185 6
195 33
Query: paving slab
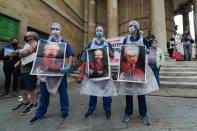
166 113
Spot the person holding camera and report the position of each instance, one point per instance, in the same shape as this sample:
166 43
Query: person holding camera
187 45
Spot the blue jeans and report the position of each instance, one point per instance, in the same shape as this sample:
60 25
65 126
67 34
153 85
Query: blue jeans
106 103
44 99
141 105
187 50
156 72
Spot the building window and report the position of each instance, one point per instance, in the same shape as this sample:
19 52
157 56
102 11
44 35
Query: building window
8 28
42 35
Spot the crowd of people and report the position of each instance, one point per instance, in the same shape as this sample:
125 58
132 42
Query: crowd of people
13 64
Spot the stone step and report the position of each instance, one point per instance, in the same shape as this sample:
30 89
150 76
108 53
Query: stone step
170 60
76 71
179 66
170 84
177 73
179 78
178 70
73 75
181 63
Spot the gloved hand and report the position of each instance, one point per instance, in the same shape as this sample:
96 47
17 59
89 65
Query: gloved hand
104 46
65 69
147 51
87 73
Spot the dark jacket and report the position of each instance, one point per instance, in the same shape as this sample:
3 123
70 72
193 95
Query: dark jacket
8 62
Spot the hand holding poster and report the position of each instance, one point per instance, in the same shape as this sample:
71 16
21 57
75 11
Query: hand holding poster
98 63
50 59
132 64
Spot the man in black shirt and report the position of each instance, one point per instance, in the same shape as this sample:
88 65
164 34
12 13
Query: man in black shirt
10 65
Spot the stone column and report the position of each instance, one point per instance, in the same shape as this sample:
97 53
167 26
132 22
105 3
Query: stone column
86 5
91 20
195 23
185 20
112 18
158 23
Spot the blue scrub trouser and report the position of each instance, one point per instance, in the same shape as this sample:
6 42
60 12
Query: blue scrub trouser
44 99
106 103
141 105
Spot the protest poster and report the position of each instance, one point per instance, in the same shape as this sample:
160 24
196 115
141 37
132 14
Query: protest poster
98 63
116 43
50 59
132 64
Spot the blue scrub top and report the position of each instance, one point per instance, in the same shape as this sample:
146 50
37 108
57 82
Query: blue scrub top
101 44
69 50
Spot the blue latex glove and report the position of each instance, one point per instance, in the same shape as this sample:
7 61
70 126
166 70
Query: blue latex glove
65 69
147 51
87 73
104 46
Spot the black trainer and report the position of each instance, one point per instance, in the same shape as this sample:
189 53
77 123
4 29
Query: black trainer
29 109
34 120
88 114
108 115
20 106
78 81
64 116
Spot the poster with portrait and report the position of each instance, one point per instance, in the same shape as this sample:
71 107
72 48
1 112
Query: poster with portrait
132 64
50 59
98 63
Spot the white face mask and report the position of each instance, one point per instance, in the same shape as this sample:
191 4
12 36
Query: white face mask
56 33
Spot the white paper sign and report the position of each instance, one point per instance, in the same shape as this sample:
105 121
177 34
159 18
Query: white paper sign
8 51
116 43
28 59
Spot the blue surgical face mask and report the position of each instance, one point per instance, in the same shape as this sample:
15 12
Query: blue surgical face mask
131 30
56 33
155 46
99 34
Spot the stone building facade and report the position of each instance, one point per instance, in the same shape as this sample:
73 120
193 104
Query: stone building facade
80 17
40 14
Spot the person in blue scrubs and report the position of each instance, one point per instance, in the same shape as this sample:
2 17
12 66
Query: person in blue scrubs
44 99
100 42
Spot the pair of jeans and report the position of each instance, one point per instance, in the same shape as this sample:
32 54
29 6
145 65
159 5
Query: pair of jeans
141 105
106 103
187 51
44 99
156 72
